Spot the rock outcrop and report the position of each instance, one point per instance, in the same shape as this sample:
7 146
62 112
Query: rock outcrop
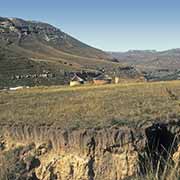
115 153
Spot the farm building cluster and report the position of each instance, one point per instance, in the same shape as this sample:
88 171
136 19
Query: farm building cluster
84 77
122 74
99 80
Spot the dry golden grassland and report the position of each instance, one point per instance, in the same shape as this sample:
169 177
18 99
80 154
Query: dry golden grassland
92 106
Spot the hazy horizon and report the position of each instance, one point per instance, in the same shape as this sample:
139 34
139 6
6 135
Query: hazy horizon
116 26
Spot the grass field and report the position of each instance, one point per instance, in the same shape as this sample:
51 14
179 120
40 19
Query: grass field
92 106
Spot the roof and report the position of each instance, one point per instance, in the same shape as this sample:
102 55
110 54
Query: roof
77 78
103 77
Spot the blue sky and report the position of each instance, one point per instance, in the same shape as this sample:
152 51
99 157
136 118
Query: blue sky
112 25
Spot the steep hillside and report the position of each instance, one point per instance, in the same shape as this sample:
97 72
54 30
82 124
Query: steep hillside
31 49
35 35
35 53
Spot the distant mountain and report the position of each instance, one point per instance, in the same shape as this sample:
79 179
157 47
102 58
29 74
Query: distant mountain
150 59
156 65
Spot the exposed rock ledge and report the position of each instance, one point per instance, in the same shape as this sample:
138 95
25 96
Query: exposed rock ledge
91 154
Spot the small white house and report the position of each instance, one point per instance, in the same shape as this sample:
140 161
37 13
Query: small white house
76 80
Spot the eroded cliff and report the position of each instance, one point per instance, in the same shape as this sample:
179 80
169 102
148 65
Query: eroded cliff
49 153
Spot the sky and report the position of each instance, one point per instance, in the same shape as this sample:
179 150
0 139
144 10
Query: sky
111 25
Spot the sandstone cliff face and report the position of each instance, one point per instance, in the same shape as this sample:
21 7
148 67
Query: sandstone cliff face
115 153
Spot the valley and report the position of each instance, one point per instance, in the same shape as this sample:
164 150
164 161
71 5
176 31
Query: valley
69 111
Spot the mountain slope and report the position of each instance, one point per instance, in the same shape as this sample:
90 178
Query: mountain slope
30 49
30 35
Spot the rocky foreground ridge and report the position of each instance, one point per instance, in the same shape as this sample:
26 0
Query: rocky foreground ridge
49 153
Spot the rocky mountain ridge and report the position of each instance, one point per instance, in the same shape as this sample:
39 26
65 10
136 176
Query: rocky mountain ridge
27 33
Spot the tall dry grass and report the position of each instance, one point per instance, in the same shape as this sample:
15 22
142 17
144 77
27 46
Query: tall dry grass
92 106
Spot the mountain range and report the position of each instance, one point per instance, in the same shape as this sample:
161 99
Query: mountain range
150 59
36 53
